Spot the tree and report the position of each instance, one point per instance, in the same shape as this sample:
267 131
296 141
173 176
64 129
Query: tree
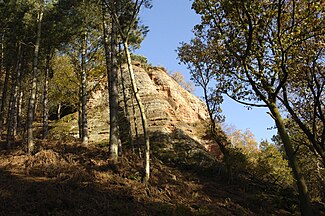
310 162
124 16
1 72
180 79
112 74
13 32
31 104
272 166
56 32
244 140
304 94
81 41
12 110
64 85
254 46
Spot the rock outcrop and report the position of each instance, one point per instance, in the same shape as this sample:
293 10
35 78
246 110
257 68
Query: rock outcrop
169 107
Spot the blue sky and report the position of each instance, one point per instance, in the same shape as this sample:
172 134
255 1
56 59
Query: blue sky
170 23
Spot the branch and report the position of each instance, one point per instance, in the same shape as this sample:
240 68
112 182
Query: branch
136 10
284 71
254 86
302 126
250 32
245 103
304 39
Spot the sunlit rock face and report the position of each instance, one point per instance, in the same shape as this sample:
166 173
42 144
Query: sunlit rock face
168 106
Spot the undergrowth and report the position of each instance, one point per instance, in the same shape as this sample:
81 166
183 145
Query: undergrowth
64 178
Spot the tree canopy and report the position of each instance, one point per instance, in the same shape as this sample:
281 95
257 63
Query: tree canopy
254 50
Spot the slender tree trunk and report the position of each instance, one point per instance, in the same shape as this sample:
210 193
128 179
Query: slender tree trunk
136 128
142 113
1 74
125 100
217 137
4 96
32 99
58 111
45 98
305 204
37 98
113 97
84 124
20 108
80 120
111 68
11 131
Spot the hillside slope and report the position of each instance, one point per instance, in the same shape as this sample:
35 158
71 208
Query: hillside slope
64 178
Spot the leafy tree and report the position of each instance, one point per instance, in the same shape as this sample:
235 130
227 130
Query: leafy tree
64 85
272 166
56 33
200 63
81 41
253 46
304 93
180 79
242 140
15 29
311 163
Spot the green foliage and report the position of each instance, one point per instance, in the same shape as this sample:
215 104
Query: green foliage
239 161
315 173
242 140
272 166
311 162
126 15
64 86
264 161
252 49
267 165
247 45
139 58
180 79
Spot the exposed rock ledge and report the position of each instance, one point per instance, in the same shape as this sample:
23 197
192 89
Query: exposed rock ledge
168 106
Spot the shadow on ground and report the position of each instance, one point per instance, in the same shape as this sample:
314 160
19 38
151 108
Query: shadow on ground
64 178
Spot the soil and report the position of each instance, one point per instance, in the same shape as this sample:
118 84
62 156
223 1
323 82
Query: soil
65 178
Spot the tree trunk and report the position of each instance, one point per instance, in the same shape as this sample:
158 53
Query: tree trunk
80 120
113 97
112 71
1 73
136 128
58 111
84 137
305 204
4 96
217 137
112 74
11 130
37 98
20 108
142 113
125 100
45 98
32 99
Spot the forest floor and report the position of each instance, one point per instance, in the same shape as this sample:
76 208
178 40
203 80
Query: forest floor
64 178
